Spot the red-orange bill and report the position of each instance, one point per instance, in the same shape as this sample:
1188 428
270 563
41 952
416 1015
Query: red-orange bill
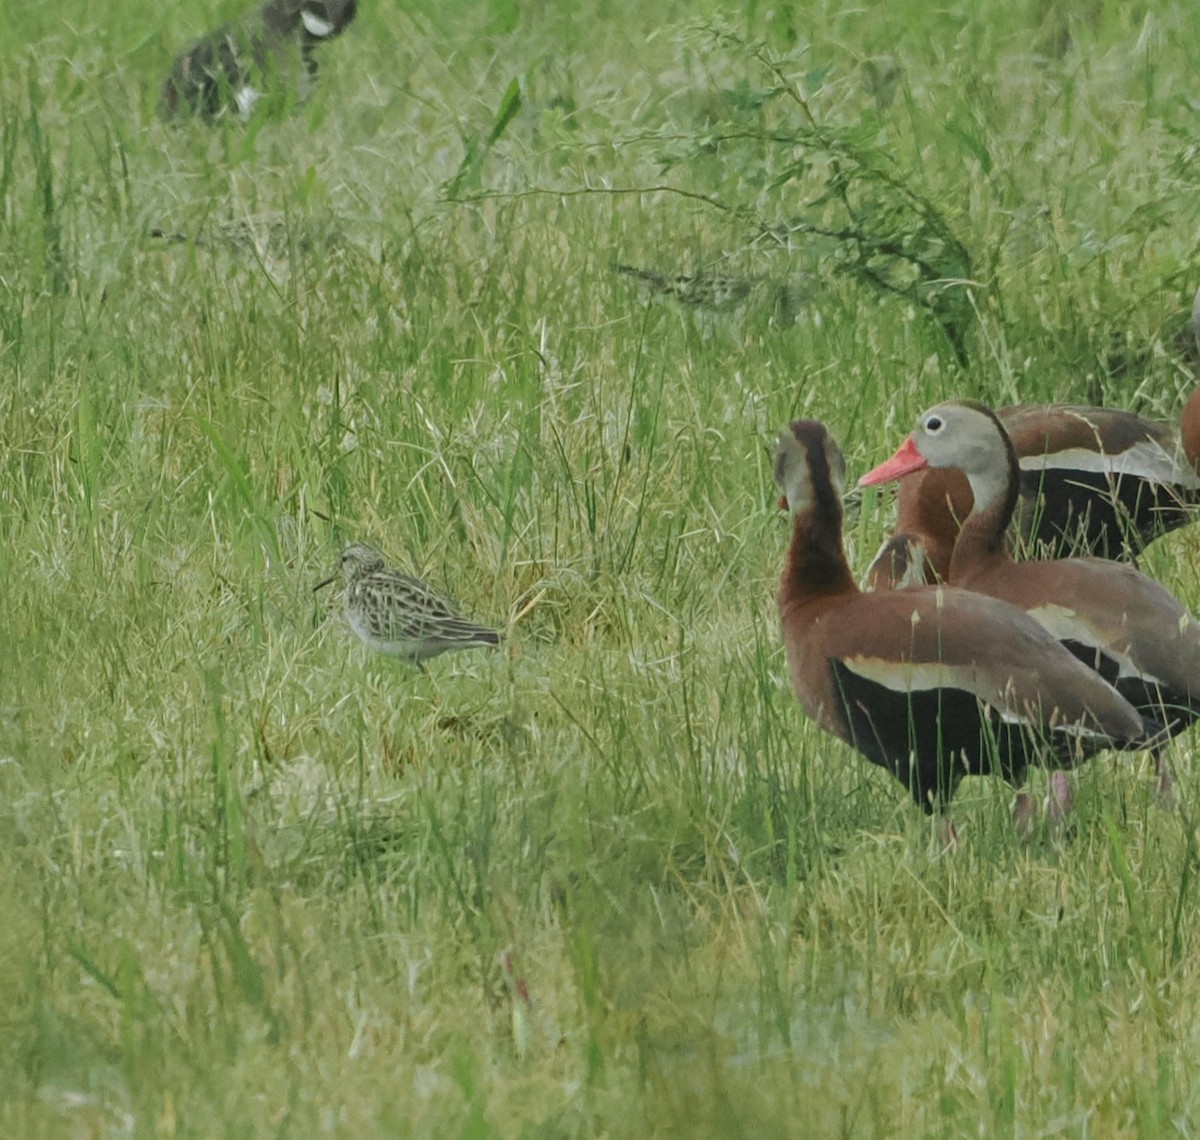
906 459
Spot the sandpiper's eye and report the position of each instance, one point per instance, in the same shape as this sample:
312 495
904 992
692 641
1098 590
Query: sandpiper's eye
934 424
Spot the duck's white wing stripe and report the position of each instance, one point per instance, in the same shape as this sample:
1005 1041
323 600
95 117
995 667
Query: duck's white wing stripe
1146 460
1064 624
917 677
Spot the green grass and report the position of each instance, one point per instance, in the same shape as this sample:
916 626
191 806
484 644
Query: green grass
609 881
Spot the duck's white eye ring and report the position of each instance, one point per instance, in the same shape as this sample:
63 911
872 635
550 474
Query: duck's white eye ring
934 424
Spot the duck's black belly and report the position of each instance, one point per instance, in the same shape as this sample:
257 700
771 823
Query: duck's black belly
929 739
1089 512
1161 707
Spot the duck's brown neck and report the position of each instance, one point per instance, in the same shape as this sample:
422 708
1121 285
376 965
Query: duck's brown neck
1189 426
816 564
982 542
932 504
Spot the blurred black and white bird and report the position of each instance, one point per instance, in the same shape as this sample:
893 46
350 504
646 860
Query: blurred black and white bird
267 51
395 614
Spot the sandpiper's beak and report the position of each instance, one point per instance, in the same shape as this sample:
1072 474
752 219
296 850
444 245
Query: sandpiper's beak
322 585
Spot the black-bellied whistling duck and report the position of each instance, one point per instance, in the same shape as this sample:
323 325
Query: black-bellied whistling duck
1092 481
1099 480
1123 624
1102 481
932 683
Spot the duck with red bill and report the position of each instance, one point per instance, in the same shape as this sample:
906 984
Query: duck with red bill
906 460
1132 631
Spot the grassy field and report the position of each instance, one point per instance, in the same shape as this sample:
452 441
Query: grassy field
610 880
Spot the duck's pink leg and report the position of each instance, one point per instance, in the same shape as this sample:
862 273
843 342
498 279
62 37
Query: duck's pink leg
1059 800
1025 813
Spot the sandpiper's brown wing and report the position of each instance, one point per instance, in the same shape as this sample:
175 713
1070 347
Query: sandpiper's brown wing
403 608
